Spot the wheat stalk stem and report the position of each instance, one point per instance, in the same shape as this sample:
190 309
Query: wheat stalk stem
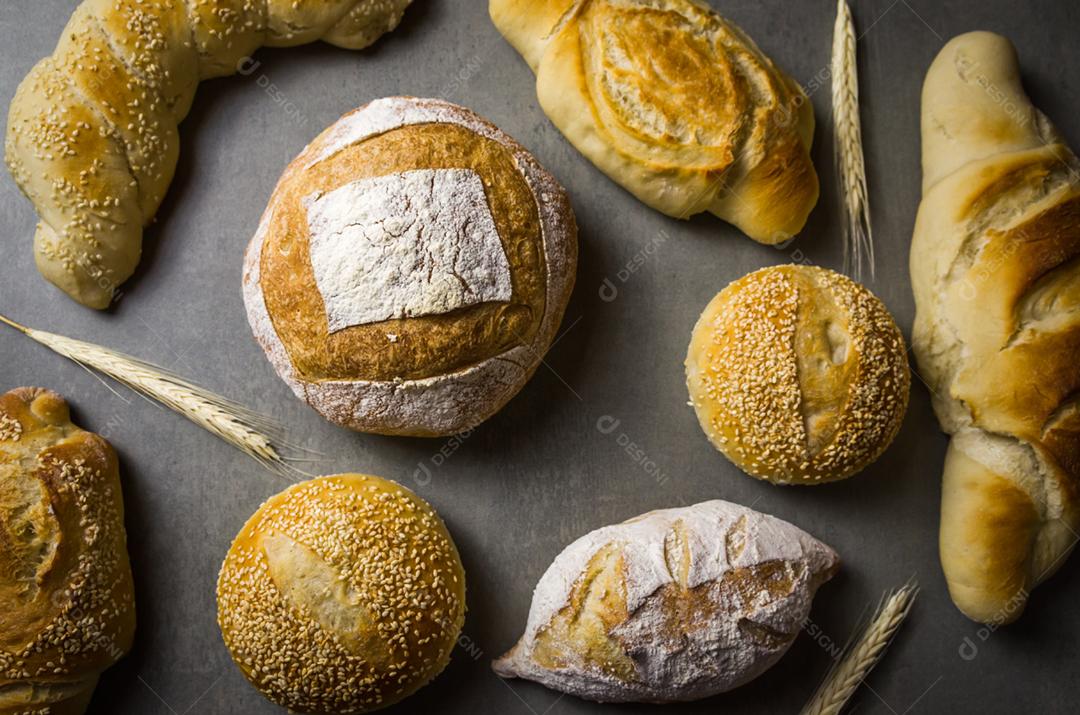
863 654
858 235
255 435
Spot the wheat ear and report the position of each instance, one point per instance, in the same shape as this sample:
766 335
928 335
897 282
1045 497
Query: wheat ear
847 148
255 435
863 654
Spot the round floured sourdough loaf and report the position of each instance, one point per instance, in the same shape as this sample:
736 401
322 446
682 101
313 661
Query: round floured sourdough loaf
798 375
67 604
673 605
341 594
411 269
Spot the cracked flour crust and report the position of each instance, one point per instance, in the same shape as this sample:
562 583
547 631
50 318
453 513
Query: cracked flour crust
420 242
443 404
674 605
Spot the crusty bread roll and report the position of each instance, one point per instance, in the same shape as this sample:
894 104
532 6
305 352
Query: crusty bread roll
411 269
997 325
673 605
674 103
92 131
67 604
798 375
341 594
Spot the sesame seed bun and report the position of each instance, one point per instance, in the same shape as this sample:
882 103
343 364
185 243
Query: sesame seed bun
341 594
798 375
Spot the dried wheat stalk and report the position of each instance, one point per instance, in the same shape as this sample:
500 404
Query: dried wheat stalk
863 654
255 435
847 147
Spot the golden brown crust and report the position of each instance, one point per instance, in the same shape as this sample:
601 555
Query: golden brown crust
440 204
996 279
425 346
341 594
675 104
65 581
92 131
798 375
988 531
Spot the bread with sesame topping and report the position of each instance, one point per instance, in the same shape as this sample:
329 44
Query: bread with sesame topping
675 104
798 375
341 594
67 606
670 606
996 278
92 131
411 269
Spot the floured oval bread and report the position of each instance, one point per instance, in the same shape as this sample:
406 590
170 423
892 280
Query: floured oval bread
674 103
341 594
798 375
673 605
411 269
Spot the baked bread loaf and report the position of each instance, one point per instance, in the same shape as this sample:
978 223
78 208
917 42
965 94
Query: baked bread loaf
411 269
997 325
67 604
341 594
675 104
92 131
674 605
798 375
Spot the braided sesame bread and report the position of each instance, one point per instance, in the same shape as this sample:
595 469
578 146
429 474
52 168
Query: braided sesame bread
675 104
341 594
798 375
411 269
996 278
92 131
67 608
673 605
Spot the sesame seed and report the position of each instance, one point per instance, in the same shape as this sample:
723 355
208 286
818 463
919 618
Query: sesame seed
798 375
391 559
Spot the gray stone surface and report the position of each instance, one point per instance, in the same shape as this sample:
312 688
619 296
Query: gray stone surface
540 473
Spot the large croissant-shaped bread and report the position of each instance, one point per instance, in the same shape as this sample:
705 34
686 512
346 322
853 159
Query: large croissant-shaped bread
92 132
674 103
997 330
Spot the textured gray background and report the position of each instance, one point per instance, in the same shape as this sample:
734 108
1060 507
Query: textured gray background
540 473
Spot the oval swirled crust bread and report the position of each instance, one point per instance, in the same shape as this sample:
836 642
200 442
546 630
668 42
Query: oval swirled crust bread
674 103
341 594
673 605
410 269
68 609
798 375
